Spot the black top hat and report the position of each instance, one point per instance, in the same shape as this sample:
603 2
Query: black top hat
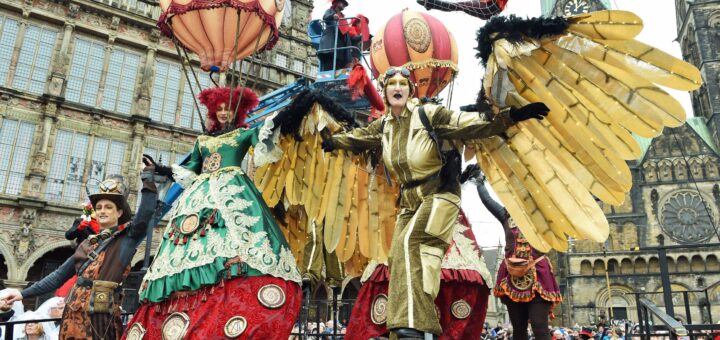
113 189
343 1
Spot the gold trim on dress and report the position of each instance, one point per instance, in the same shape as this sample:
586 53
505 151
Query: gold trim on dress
235 326
524 282
460 309
175 326
271 296
190 224
212 163
136 332
378 309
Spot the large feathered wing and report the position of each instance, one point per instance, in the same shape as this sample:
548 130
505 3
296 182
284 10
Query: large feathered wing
343 190
602 86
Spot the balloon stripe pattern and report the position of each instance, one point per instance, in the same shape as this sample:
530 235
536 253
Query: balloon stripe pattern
222 31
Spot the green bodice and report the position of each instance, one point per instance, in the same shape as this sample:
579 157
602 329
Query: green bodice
212 153
220 227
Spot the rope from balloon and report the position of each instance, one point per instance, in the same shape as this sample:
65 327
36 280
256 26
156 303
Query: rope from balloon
232 67
192 91
241 84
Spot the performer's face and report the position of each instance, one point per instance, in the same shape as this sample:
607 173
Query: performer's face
397 90
224 115
107 213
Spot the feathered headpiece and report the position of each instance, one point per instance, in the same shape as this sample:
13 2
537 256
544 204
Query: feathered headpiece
213 97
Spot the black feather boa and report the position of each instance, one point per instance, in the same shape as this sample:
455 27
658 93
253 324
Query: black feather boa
516 29
291 116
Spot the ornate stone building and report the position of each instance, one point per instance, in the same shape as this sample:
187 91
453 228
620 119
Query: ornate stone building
87 87
675 200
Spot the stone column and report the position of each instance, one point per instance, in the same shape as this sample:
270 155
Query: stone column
145 83
61 62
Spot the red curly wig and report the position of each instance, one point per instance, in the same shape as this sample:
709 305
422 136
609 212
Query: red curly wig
213 97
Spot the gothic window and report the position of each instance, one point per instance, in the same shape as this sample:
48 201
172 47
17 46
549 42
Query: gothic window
85 72
650 172
626 266
15 143
8 34
711 167
712 264
665 170
165 92
64 181
686 217
281 60
586 268
640 266
696 168
697 264
680 169
189 117
118 93
299 66
34 61
107 158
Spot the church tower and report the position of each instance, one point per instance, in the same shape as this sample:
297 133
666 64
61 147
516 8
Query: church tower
698 25
572 7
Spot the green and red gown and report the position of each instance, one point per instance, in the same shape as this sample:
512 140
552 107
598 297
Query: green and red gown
223 268
461 303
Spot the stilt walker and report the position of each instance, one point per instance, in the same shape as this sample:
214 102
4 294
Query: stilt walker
461 304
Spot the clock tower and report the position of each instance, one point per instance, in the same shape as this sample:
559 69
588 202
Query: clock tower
572 7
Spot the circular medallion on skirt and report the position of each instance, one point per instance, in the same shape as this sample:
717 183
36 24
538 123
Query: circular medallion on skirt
235 326
417 35
211 163
271 296
280 4
378 309
189 224
136 332
523 282
175 326
460 309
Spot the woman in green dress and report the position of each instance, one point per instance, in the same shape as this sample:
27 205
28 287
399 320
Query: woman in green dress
223 268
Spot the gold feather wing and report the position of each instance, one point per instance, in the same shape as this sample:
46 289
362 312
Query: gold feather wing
602 86
341 189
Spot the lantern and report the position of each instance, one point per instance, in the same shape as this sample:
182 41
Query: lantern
420 43
222 31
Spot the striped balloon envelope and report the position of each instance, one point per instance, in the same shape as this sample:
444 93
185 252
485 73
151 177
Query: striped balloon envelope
420 43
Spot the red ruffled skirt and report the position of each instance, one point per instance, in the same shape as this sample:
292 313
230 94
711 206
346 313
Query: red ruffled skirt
456 286
211 309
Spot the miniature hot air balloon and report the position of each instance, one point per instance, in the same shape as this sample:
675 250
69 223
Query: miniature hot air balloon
222 31
420 43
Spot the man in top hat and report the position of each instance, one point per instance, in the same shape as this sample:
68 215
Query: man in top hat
101 262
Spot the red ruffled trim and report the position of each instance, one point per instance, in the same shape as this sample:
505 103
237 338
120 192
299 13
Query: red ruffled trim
177 9
380 274
461 275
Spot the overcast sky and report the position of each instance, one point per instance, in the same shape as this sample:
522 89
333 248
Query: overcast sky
660 30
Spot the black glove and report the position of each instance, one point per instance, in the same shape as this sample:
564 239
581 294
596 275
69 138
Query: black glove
471 171
161 170
529 111
328 145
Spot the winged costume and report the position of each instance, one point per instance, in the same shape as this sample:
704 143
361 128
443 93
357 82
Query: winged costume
600 85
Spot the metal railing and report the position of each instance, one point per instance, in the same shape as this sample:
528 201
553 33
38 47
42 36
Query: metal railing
146 8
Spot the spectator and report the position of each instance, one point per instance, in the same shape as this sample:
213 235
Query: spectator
52 309
586 333
557 334
30 330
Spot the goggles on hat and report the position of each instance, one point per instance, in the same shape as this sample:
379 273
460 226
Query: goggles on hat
391 72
